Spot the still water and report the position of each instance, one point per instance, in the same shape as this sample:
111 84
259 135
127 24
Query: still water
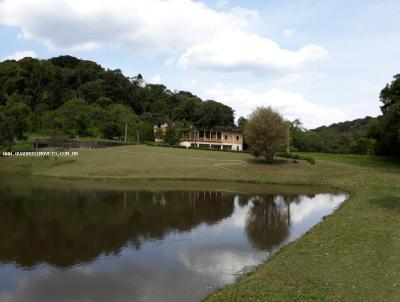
59 243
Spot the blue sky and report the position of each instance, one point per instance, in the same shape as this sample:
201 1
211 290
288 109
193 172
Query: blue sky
320 61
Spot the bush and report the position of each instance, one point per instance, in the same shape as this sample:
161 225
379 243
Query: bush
111 130
363 146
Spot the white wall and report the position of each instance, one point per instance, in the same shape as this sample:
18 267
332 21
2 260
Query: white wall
234 147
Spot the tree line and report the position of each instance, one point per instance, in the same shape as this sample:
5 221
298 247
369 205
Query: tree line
81 98
380 135
345 137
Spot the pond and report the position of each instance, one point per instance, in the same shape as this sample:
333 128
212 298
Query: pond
150 242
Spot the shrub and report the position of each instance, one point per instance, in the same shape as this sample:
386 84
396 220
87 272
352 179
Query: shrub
266 132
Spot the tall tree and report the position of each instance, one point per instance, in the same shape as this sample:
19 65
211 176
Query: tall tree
18 113
266 132
241 123
387 129
210 114
390 95
117 117
7 131
75 117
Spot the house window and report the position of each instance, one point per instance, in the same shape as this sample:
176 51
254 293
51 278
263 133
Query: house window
237 138
226 137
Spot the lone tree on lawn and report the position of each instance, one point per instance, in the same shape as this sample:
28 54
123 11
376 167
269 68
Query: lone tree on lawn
266 132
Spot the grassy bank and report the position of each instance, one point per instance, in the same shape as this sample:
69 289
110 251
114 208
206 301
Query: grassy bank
352 256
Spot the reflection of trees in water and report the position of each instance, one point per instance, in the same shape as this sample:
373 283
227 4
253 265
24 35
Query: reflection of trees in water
66 227
243 200
267 222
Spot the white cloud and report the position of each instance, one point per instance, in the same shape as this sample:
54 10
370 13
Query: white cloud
199 36
291 105
190 84
20 55
170 61
288 32
154 79
240 51
294 78
221 4
135 25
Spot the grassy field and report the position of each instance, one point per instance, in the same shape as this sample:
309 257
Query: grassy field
354 255
354 159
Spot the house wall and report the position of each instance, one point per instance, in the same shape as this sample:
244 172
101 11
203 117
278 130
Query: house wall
159 130
232 138
222 146
205 138
186 144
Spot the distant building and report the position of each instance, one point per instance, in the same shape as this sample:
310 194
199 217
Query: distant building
159 132
202 138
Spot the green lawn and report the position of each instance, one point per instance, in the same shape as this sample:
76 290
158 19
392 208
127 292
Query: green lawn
354 255
354 159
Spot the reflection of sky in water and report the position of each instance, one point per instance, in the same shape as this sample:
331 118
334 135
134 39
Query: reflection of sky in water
184 266
309 211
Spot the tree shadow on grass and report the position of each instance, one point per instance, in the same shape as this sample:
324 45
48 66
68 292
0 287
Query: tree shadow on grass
261 161
62 162
387 202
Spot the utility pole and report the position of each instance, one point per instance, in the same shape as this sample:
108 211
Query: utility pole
126 133
288 140
137 137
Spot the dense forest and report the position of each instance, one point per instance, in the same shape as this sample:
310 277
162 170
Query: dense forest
80 98
345 137
386 130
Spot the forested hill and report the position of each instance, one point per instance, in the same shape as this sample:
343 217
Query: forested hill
66 96
380 135
357 128
345 137
53 91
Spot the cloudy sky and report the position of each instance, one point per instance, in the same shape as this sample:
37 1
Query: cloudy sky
320 61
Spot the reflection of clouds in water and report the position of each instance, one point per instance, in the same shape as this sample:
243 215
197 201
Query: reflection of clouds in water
216 238
7 297
71 285
225 262
237 218
11 278
223 265
136 279
85 269
312 206
239 215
